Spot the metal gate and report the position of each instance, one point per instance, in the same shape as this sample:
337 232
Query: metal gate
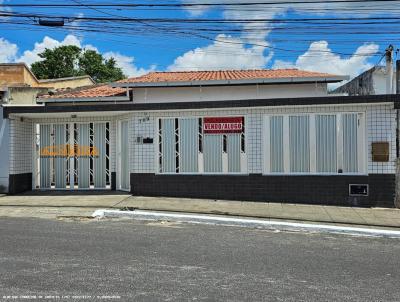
73 156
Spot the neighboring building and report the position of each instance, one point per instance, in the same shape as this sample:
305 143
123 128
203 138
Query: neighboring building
19 74
263 135
18 87
371 82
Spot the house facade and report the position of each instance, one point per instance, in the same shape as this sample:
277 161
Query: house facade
20 87
266 135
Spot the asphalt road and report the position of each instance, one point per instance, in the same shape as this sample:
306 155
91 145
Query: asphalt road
132 261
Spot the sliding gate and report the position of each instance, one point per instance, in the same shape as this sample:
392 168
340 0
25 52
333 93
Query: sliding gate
73 156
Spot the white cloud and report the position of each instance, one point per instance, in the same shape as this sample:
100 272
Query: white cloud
8 51
254 32
319 57
279 6
31 56
225 53
260 30
127 65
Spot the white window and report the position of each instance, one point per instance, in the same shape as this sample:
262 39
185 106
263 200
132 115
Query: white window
188 145
326 143
299 143
168 145
213 153
314 143
184 148
350 146
276 144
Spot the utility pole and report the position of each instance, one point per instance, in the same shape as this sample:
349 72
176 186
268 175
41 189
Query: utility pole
389 69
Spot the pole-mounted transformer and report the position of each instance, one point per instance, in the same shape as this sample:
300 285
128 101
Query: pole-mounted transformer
51 22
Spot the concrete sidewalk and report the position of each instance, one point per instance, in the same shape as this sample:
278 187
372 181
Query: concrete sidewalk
315 213
78 202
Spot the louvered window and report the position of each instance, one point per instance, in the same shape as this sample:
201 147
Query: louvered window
184 148
314 143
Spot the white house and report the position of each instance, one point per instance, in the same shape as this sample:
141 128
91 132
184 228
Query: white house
260 135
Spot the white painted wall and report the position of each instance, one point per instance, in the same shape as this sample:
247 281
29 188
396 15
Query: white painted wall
4 153
380 125
224 93
379 82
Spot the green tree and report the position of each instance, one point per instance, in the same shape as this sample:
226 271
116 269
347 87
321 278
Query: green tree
59 62
70 61
100 69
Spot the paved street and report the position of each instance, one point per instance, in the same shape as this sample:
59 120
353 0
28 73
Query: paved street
166 262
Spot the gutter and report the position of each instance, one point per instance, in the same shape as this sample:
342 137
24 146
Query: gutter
112 99
289 80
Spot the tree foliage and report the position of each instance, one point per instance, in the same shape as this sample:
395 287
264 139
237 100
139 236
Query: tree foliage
70 61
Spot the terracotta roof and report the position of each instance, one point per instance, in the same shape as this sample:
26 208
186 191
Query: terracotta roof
100 90
188 76
104 90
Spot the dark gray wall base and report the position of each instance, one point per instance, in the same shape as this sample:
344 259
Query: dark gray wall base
326 190
19 183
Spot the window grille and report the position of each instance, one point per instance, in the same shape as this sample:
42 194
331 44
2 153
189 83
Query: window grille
184 148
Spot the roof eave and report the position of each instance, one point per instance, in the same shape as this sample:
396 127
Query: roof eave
294 80
80 99
66 79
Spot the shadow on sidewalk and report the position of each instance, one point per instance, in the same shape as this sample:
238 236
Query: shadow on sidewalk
72 193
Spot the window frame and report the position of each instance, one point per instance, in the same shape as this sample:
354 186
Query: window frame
244 155
362 144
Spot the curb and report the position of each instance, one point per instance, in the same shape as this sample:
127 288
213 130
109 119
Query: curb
247 222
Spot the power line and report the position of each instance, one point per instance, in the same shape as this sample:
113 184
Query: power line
293 28
204 4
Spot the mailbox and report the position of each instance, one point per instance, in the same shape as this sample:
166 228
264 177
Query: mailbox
380 151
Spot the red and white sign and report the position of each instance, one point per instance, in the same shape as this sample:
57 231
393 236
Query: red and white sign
222 125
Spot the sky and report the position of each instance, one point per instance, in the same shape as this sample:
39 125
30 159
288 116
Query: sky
245 37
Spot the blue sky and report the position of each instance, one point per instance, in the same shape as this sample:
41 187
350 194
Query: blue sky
337 48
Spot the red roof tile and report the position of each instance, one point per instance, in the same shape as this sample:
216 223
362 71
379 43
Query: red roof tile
101 90
188 76
104 90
